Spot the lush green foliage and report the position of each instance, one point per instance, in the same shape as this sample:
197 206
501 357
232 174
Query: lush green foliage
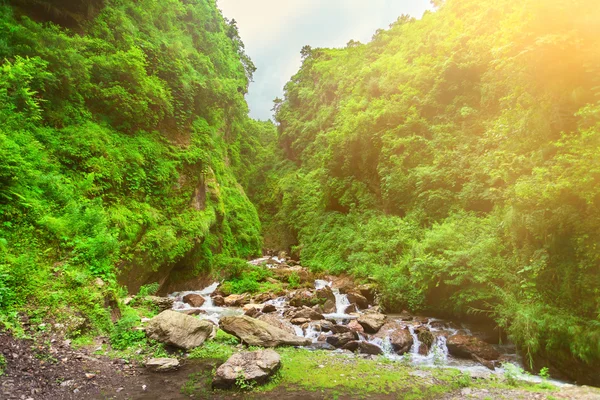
455 160
121 132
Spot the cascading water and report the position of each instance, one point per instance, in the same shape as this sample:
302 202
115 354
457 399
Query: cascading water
211 312
416 343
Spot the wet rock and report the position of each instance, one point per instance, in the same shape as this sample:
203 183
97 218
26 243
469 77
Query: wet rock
162 303
363 347
329 306
359 300
464 346
236 300
162 364
372 322
269 308
322 326
351 309
308 313
337 329
401 341
368 291
179 330
264 297
194 300
321 345
255 332
272 319
426 338
218 301
254 367
405 316
301 298
326 294
355 326
252 312
300 321
340 340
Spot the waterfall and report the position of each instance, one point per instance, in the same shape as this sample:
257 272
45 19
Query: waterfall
416 343
321 284
341 302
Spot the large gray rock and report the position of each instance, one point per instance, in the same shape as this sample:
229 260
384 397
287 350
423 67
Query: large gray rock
255 332
307 313
162 364
253 367
372 322
179 330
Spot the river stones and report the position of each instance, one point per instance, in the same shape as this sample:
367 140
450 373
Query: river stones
269 308
218 300
273 320
194 300
162 364
372 322
236 300
359 300
399 336
254 367
179 330
341 339
363 347
329 307
464 346
309 314
426 338
255 332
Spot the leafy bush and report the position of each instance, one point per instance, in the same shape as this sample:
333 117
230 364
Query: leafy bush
124 335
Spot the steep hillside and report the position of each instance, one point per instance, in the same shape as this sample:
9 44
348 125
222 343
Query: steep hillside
454 160
122 126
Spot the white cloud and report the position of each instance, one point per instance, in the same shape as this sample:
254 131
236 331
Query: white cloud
274 31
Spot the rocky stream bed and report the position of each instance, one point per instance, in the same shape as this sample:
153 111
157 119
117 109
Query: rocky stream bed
346 346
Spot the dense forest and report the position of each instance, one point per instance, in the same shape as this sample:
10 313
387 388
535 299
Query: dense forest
454 161
123 127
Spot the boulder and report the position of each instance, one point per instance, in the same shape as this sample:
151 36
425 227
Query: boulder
363 347
236 300
355 326
369 291
351 309
340 340
326 294
401 341
359 300
254 367
426 338
372 322
308 313
162 303
464 346
252 312
300 321
264 297
179 330
329 307
194 300
272 319
269 308
255 332
218 301
162 364
340 329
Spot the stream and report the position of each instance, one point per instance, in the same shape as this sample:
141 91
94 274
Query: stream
438 355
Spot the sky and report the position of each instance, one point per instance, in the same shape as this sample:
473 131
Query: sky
274 31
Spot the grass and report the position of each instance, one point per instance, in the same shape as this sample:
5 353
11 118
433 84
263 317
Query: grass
341 374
